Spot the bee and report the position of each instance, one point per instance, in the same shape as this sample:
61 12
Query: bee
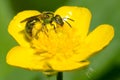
44 18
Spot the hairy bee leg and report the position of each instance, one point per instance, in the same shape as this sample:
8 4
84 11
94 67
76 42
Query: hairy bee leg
36 36
42 29
54 27
45 33
45 29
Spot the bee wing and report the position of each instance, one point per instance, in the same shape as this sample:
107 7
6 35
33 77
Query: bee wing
30 18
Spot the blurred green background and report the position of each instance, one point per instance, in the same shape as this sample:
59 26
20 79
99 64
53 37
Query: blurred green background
104 66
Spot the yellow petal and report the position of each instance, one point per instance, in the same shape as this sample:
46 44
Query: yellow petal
96 40
16 28
81 52
66 65
80 15
100 37
25 58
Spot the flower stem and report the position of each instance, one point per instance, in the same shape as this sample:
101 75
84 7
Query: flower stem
60 76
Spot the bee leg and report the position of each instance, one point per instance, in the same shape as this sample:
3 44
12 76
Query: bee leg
46 33
44 29
54 27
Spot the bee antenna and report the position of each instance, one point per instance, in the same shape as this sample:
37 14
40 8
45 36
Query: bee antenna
70 19
68 24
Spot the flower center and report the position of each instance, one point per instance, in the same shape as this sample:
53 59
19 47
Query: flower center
51 40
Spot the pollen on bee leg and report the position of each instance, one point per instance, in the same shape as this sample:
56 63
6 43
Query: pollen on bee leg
45 30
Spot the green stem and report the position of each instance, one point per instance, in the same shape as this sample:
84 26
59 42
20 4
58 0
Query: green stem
60 76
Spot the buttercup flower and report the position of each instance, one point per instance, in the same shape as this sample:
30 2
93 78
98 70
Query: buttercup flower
54 47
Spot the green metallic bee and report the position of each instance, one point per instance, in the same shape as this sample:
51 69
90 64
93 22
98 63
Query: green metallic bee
44 18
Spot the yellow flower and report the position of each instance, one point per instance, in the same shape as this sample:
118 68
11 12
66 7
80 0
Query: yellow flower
53 47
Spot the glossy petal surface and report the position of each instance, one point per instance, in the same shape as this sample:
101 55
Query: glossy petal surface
81 17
